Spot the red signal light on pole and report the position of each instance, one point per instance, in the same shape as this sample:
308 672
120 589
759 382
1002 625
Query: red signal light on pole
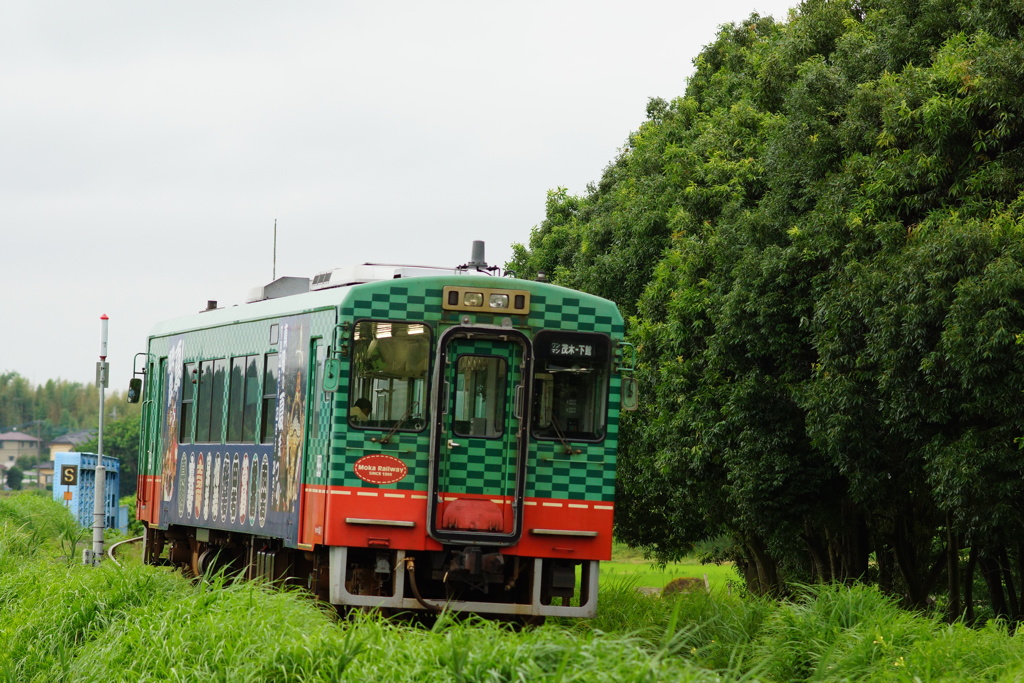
103 337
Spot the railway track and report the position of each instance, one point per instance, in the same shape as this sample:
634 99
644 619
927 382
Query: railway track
111 550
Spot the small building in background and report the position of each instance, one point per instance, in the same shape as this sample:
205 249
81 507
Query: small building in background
74 484
43 474
13 445
70 441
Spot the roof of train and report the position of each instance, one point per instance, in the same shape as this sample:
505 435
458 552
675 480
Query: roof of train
336 296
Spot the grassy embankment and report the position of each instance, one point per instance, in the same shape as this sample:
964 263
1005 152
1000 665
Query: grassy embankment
63 622
630 566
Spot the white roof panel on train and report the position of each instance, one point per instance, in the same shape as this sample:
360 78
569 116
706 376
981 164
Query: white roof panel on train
318 298
373 272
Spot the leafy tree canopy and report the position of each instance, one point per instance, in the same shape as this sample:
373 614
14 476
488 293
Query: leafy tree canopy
121 440
819 248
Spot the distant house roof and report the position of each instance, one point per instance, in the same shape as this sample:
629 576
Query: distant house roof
75 438
18 436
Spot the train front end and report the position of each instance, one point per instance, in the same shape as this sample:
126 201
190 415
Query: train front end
482 475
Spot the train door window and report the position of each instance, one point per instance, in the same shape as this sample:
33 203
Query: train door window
210 403
570 385
480 392
270 370
244 396
148 453
320 352
389 375
188 398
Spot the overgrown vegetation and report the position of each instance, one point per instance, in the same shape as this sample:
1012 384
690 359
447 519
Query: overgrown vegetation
821 246
60 621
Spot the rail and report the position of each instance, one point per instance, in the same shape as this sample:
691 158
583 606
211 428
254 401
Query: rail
115 546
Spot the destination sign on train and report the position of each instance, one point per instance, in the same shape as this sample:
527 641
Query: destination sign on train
572 346
567 349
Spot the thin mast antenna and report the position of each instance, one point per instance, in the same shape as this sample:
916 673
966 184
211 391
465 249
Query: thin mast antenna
274 271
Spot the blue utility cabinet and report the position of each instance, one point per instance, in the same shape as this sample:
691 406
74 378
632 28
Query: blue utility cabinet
74 484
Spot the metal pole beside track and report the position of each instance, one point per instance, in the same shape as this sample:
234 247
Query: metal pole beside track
99 511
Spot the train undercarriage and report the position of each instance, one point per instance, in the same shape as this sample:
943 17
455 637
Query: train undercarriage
462 578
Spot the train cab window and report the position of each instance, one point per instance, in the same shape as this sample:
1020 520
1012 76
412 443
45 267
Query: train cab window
390 362
480 396
570 385
243 398
188 404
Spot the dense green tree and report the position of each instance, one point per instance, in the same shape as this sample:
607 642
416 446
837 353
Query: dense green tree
14 478
820 250
121 440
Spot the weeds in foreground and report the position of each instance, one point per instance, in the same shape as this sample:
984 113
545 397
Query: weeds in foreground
61 622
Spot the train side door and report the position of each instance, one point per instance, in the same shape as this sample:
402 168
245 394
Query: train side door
317 449
479 444
153 407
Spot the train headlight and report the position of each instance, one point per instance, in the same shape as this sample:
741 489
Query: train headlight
494 300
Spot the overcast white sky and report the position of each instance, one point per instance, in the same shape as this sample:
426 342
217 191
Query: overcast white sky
146 148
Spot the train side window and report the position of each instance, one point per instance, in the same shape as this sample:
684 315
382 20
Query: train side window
570 385
210 404
203 401
390 362
188 397
270 371
244 396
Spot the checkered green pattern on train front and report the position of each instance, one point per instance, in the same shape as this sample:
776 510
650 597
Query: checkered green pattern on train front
570 313
552 313
589 475
546 478
480 466
412 448
396 303
469 468
401 303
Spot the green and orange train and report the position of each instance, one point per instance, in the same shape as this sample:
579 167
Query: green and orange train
394 437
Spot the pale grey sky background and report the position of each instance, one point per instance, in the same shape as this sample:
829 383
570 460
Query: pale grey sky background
146 148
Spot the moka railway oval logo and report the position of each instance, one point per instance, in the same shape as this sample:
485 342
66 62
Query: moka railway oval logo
380 469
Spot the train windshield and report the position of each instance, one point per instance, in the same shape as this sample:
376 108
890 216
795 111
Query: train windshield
390 361
570 385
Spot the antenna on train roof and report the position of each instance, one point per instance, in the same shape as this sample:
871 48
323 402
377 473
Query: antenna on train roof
477 261
273 275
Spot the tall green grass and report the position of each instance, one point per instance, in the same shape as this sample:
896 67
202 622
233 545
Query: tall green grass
60 621
141 623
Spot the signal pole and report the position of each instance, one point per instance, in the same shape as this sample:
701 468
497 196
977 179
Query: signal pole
99 508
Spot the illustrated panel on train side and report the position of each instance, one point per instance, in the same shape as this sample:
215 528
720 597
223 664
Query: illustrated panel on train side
237 468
